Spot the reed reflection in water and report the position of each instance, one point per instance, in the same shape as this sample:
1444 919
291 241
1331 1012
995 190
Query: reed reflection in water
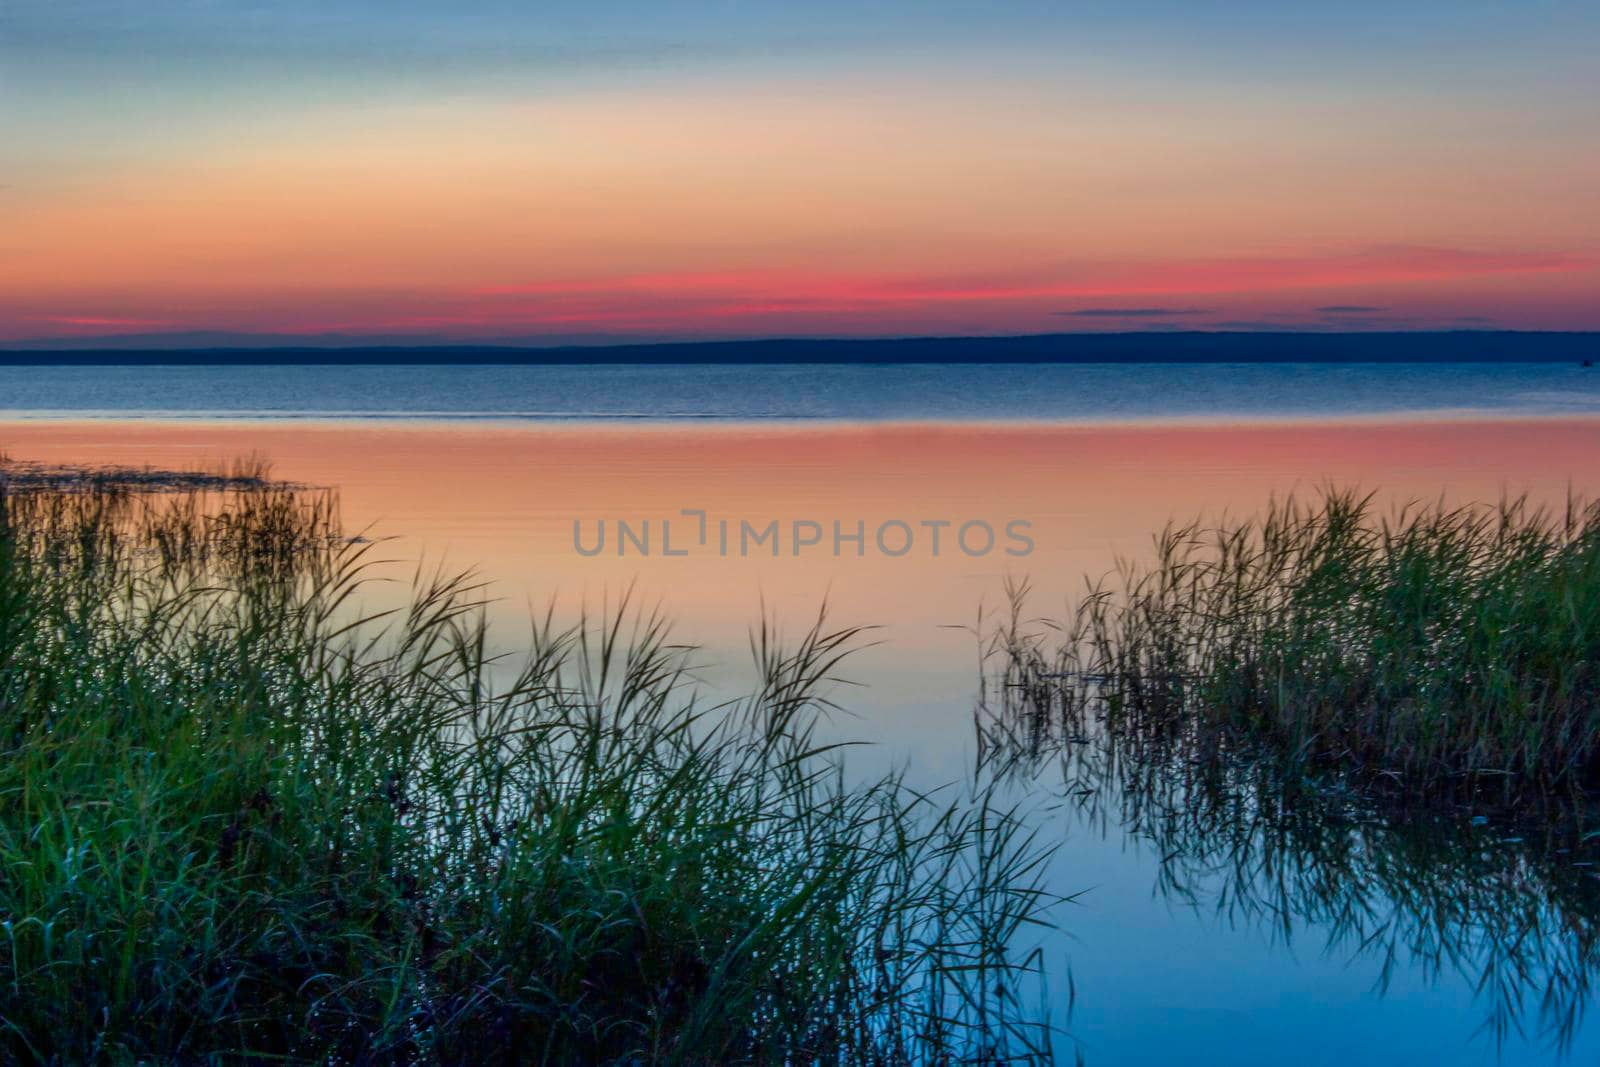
1510 907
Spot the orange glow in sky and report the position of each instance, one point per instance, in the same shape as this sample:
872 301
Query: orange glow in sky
1033 174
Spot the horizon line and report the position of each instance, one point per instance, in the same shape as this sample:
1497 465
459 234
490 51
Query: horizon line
1209 346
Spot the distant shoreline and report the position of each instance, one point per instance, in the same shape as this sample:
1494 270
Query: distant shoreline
1464 346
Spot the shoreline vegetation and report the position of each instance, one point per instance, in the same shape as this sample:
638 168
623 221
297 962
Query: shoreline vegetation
251 473
1377 732
1432 655
237 821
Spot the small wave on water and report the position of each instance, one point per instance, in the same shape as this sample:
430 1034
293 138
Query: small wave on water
1555 400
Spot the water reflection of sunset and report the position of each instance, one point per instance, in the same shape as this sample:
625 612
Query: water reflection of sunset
503 499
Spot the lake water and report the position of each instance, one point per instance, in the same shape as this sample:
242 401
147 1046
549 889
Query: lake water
956 392
1185 946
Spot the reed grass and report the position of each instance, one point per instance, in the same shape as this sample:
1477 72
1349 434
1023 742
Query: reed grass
1431 651
1375 729
240 822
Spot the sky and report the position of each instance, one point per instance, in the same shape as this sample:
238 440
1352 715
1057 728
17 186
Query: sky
599 170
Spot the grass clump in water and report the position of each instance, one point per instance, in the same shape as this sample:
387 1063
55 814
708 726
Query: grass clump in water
238 823
1432 651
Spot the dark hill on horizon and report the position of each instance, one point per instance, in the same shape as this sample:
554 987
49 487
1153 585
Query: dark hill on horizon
1476 346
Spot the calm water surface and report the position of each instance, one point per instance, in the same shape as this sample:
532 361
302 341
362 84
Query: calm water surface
1094 392
1198 938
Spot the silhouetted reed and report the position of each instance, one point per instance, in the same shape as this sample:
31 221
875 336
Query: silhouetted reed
1149 709
1433 652
239 821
